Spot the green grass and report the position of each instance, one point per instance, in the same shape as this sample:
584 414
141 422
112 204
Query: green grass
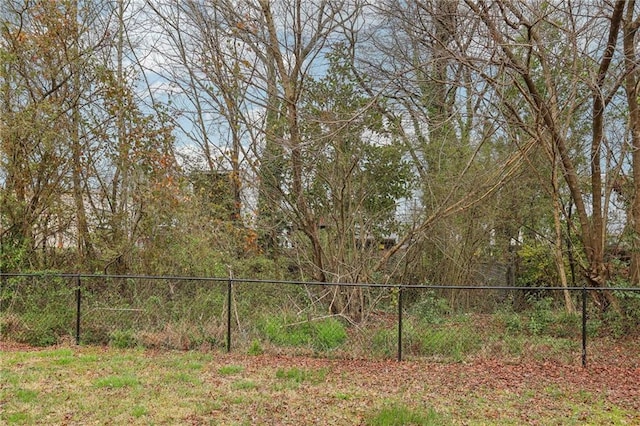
299 375
26 396
244 385
139 411
117 382
400 415
230 369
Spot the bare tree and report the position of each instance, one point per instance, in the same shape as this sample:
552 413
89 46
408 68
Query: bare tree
519 42
445 116
631 82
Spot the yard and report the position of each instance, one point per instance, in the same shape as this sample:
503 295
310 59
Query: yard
104 385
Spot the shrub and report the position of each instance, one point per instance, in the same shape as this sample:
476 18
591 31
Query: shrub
122 339
328 334
41 312
542 315
322 335
431 308
513 323
280 330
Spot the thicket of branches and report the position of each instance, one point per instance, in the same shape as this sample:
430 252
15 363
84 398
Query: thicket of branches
334 140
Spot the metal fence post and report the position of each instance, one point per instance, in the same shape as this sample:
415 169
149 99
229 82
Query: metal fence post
78 309
399 323
584 326
229 289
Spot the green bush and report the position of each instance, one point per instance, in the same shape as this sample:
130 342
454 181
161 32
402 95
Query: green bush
541 316
284 331
42 310
513 323
122 339
324 335
431 308
328 335
537 267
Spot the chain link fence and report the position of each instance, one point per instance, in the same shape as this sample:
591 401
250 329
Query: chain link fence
440 323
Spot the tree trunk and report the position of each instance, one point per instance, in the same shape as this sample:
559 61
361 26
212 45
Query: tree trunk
631 88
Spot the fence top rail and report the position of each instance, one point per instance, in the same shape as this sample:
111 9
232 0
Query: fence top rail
310 283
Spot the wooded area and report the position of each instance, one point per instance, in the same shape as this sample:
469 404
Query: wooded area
431 141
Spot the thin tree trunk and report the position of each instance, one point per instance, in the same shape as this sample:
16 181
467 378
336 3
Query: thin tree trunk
557 247
631 88
84 246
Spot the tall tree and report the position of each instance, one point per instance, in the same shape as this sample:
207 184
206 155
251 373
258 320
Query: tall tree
537 70
209 73
631 82
444 113
46 45
356 175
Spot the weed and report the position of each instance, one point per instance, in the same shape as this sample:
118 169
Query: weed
122 339
298 375
55 353
139 411
565 324
384 342
18 418
183 377
278 330
230 369
323 335
431 309
244 385
616 323
43 312
554 391
117 382
26 396
328 335
64 361
255 348
514 345
545 348
541 317
398 414
510 320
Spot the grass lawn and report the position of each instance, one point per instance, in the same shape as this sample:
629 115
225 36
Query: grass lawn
101 385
